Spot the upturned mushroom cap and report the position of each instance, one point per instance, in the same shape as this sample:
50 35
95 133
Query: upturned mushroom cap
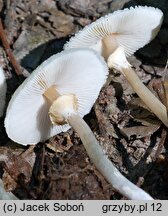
79 71
130 28
2 91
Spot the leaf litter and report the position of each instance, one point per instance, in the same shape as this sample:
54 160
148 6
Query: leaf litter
130 135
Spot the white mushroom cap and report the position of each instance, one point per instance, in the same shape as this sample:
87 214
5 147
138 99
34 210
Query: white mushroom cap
131 29
3 88
79 71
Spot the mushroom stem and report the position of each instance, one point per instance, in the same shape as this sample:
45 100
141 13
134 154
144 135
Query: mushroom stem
109 45
118 61
63 110
51 94
103 164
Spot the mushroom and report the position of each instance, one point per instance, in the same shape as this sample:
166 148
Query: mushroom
2 91
117 36
80 72
56 96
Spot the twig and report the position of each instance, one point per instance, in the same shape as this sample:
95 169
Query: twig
8 50
161 144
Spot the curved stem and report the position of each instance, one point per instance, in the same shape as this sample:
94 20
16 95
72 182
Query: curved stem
103 164
118 61
146 95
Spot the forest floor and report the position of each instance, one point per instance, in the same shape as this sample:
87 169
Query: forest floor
130 135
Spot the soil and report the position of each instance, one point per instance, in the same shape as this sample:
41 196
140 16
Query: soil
130 135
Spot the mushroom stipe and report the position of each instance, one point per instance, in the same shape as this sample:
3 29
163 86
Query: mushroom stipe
58 94
118 61
64 109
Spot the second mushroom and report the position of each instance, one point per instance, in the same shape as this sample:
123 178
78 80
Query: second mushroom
117 36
